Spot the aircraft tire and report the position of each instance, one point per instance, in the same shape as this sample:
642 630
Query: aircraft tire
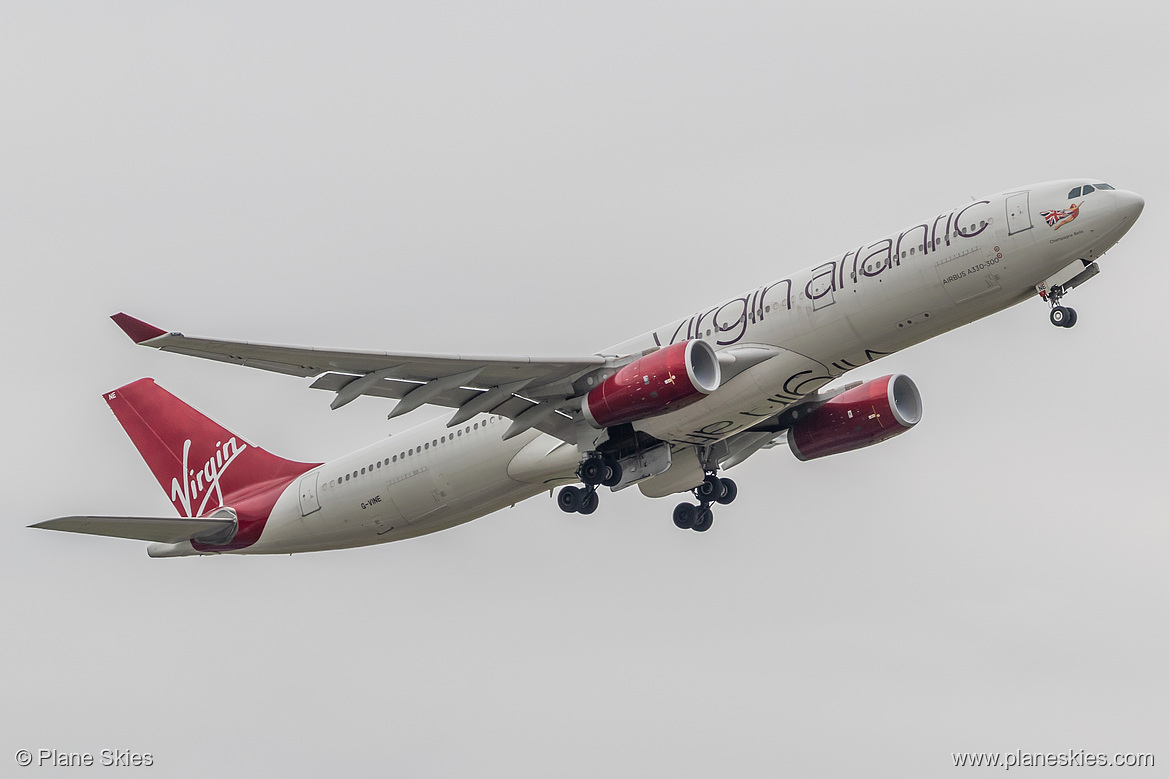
1059 316
589 503
704 520
730 492
592 471
612 475
569 499
711 488
684 515
1071 318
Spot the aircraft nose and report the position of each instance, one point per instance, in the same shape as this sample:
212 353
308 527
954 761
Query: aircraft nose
1129 204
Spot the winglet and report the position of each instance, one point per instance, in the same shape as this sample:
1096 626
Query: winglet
138 330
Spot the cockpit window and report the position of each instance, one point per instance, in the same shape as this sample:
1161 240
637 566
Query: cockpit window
1088 188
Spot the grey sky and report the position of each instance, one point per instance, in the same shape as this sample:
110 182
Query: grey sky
530 178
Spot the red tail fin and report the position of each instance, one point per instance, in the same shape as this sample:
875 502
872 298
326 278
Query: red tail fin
199 464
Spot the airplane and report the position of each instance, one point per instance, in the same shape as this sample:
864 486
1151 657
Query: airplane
666 411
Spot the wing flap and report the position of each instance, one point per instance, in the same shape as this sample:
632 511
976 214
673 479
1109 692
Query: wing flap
167 530
395 389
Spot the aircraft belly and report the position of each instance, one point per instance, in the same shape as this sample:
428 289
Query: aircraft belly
544 460
482 473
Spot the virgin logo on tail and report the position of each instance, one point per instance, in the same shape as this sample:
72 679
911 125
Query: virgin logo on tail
188 486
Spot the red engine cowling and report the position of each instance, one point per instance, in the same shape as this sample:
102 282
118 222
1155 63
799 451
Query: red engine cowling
665 380
862 416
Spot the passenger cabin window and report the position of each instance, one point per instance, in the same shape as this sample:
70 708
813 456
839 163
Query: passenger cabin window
1075 193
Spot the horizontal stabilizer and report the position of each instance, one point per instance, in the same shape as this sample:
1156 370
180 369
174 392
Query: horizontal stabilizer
167 530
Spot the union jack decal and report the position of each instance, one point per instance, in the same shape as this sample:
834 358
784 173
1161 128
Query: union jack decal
1057 219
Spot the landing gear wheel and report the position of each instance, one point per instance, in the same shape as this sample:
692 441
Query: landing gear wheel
730 492
684 515
1071 319
704 520
570 499
710 489
613 476
1060 316
592 471
589 503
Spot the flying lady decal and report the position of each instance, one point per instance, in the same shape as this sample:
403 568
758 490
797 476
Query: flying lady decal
1057 219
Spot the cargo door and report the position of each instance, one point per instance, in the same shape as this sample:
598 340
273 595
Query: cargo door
417 493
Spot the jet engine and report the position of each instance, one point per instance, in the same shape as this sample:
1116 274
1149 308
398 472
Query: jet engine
873 412
665 380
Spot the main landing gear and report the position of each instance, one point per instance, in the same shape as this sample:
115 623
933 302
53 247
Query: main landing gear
595 470
687 516
1061 316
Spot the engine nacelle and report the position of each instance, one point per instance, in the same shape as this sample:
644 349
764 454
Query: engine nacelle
666 380
869 414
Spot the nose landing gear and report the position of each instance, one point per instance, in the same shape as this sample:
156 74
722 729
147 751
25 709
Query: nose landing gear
1061 316
687 516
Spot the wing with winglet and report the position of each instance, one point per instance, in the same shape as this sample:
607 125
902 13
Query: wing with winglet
539 392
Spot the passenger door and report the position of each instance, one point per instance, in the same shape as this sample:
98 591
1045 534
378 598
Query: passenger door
1018 213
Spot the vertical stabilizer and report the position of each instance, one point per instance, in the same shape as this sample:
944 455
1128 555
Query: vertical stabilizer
198 463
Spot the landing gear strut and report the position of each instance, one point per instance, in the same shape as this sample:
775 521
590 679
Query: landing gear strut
595 470
687 516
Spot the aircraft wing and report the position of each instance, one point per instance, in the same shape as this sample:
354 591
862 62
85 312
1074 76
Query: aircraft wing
167 530
532 391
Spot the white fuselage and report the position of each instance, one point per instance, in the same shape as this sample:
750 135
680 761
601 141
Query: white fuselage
816 325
